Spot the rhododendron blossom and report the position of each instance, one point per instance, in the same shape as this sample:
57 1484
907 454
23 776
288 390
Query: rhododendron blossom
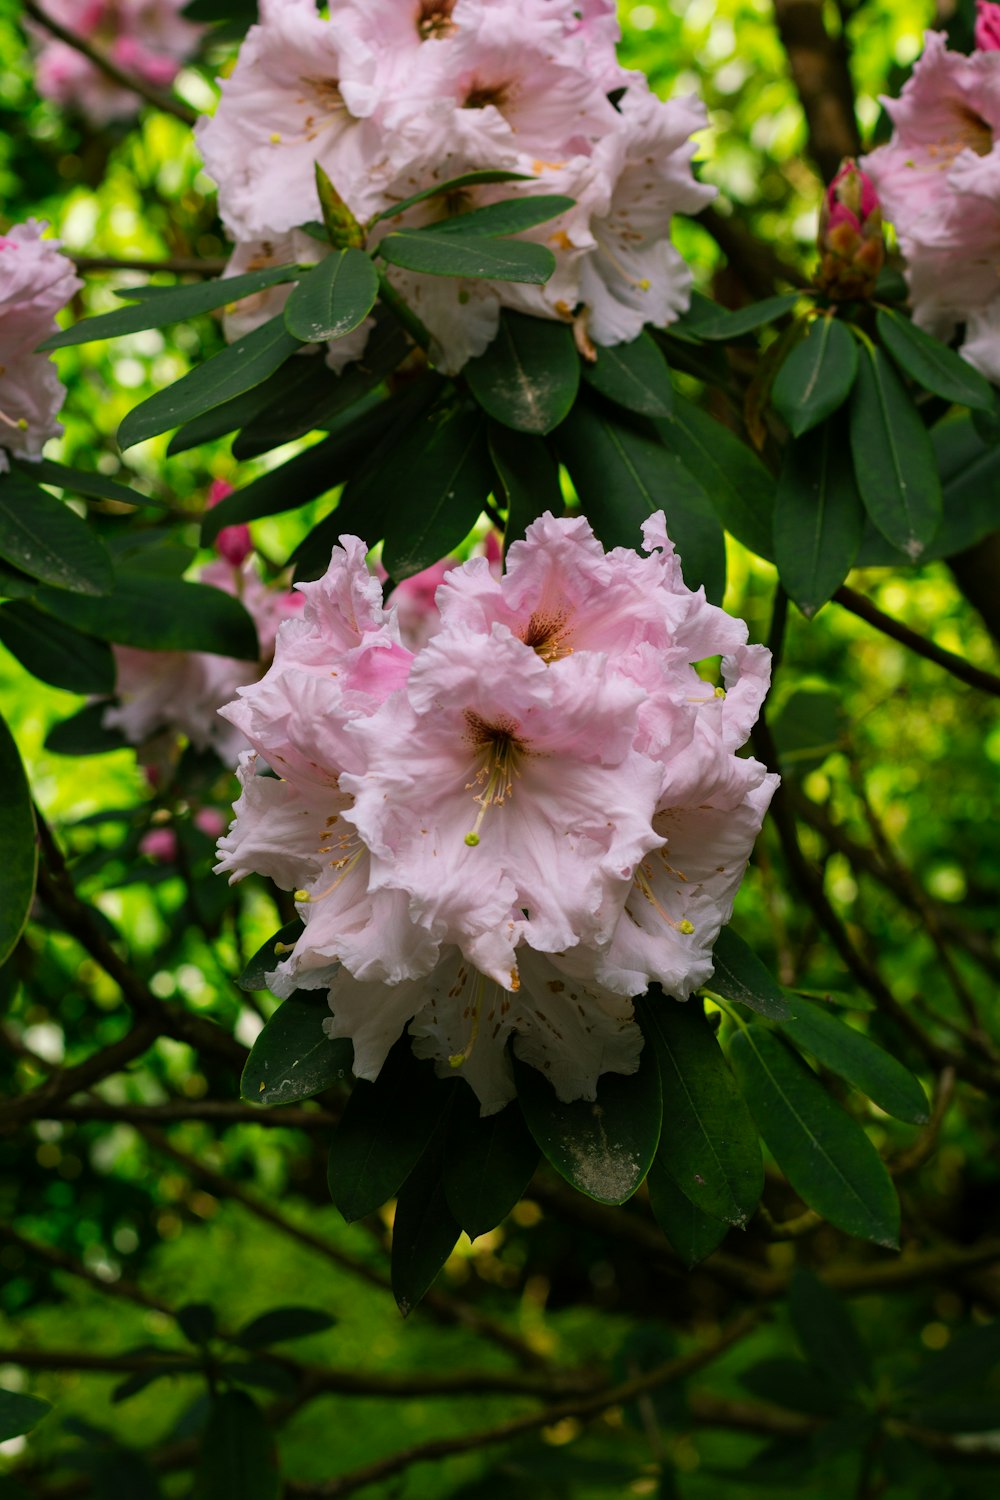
512 831
35 282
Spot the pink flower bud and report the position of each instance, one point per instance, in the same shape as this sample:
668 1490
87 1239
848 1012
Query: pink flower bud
850 243
987 26
159 844
234 543
210 821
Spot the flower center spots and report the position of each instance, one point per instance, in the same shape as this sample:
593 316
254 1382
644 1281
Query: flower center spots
969 131
500 752
346 848
643 884
434 19
481 95
547 633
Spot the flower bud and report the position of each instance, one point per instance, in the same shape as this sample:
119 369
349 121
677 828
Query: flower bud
851 246
234 543
987 26
343 228
159 844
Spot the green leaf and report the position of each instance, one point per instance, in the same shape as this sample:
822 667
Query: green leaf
740 975
452 185
268 956
792 1383
55 652
603 1148
528 476
169 305
853 1056
237 1452
240 367
733 477
197 1322
289 485
384 1130
84 482
18 846
623 473
727 326
424 1231
932 364
441 479
159 614
968 1360
693 1235
282 1324
49 541
893 457
510 216
16 585
84 734
20 1413
475 256
529 376
815 379
826 1332
293 1058
290 386
334 298
488 1163
708 1145
809 727
633 375
825 1155
818 517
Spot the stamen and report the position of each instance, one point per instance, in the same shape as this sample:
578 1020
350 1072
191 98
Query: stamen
641 284
502 751
19 424
642 883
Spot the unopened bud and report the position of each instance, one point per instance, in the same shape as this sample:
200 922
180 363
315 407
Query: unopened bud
987 26
851 246
343 228
234 543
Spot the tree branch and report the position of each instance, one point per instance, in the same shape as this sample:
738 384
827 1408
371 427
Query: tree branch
214 1111
965 671
819 67
179 265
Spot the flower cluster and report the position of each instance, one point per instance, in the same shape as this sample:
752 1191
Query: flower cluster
516 829
148 39
939 182
392 96
35 282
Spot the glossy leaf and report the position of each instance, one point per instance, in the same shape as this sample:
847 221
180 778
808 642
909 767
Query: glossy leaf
528 476
85 482
451 185
510 216
436 254
444 480
19 1413
633 375
826 1332
384 1130
740 975
603 1148
693 1235
18 846
825 1155
289 386
238 368
293 1058
727 326
84 734
529 376
237 1452
623 474
488 1163
159 614
893 457
56 653
424 1231
334 298
709 1145
849 1053
932 364
170 305
818 517
268 956
46 539
816 377
282 1324
731 474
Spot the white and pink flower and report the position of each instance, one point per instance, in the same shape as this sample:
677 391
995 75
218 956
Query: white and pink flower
35 282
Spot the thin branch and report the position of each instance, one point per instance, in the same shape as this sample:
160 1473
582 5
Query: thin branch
178 265
45 1102
965 671
924 1146
101 61
757 264
37 1251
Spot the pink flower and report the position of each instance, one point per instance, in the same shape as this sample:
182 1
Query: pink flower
35 282
210 821
987 26
159 844
415 599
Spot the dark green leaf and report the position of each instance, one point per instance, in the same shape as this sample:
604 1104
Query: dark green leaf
893 457
384 1130
293 1058
740 975
265 1373
826 1332
14 584
529 479
508 217
727 326
46 539
623 473
825 1155
84 734
282 1324
197 1322
18 847
84 482
818 517
809 727
972 1356
603 1148
20 1413
932 364
794 1384
424 1230
170 305
529 376
853 1056
244 364
135 1384
488 1163
708 1145
289 387
55 652
334 298
816 377
475 256
283 488
633 375
443 478
970 1415
237 1452
692 1234
733 477
159 614
451 185
267 957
